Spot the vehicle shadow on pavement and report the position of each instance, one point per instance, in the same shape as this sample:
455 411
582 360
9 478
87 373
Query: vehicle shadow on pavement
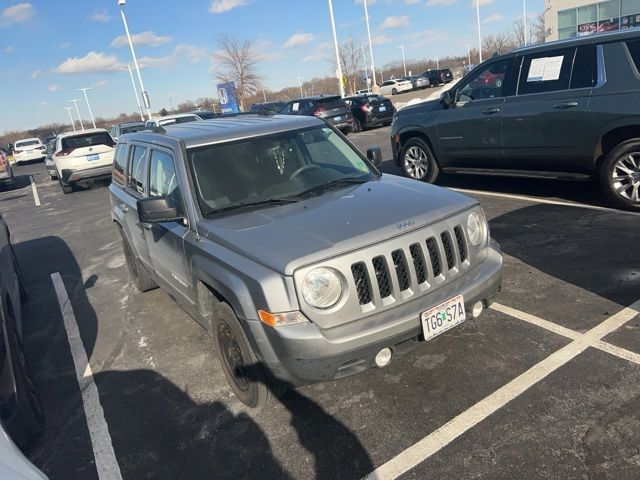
594 250
157 429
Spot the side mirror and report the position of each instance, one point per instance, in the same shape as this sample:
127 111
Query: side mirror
156 210
374 154
447 98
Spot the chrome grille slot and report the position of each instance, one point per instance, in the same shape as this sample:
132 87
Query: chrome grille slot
448 250
434 256
402 270
462 247
382 276
359 271
418 262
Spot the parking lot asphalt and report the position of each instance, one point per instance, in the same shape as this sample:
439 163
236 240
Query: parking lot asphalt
546 384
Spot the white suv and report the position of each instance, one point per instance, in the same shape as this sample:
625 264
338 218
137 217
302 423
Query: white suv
172 120
83 156
28 149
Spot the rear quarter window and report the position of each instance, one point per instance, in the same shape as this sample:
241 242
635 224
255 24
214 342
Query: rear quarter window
119 164
634 51
548 71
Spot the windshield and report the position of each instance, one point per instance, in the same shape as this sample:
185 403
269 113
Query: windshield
26 143
274 167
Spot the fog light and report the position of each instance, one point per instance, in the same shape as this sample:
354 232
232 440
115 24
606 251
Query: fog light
477 309
383 358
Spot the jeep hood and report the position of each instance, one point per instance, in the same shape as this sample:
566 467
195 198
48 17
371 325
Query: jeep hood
286 237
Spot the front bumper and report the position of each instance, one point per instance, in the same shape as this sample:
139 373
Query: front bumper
303 353
79 176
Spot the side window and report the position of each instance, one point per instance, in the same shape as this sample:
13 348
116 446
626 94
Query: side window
119 164
490 82
546 71
162 179
585 71
634 50
137 168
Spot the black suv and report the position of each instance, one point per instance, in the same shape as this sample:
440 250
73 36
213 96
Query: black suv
566 110
328 107
438 77
370 110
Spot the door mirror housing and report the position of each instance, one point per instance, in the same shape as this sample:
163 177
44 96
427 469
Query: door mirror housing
447 98
157 210
374 154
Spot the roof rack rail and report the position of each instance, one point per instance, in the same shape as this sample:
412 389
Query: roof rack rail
159 129
237 114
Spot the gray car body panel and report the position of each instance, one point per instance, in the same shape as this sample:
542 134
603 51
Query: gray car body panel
255 259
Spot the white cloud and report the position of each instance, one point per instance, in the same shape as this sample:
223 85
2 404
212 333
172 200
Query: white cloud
64 45
100 83
20 12
369 2
381 39
424 37
92 62
298 39
482 2
411 2
145 38
8 49
395 22
37 74
192 53
496 17
151 62
221 6
53 88
43 104
320 52
101 16
440 3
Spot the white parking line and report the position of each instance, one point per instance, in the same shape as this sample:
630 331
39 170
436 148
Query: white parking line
566 332
526 198
36 198
446 434
105 458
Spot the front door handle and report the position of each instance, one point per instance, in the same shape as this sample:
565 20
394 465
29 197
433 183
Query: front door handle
491 111
564 106
124 207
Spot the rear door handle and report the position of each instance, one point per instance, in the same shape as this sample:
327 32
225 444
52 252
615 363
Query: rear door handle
564 106
491 111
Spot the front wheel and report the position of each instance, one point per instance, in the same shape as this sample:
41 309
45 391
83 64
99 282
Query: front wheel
418 162
620 175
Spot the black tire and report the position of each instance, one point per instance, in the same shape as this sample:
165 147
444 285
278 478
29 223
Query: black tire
28 421
386 124
66 189
620 175
139 274
418 162
248 379
394 91
357 126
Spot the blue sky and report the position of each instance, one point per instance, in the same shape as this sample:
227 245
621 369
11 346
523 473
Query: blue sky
50 48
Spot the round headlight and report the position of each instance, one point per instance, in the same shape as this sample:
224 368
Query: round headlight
321 288
475 228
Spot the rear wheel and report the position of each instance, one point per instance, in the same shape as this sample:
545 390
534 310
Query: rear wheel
418 162
394 91
139 274
66 189
248 378
620 175
357 126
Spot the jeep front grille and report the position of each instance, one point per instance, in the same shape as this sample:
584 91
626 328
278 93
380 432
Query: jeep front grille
407 270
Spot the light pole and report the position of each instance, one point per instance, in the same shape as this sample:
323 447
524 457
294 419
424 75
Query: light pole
468 54
479 34
335 44
524 21
145 95
73 123
264 94
86 98
366 70
404 64
135 92
300 85
366 17
75 102
437 63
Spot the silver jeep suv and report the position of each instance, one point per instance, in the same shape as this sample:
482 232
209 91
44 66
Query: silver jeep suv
303 261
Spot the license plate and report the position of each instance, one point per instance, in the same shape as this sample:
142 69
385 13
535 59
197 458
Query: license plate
94 156
443 317
382 109
337 119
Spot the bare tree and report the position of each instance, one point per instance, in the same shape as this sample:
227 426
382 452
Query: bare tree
499 43
539 29
237 61
351 60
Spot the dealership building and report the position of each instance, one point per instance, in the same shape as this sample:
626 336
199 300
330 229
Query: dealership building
576 18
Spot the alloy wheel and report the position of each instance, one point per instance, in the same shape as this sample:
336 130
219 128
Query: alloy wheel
625 177
416 162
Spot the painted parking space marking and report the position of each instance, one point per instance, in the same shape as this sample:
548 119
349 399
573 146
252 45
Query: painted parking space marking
443 436
105 458
566 332
545 201
36 198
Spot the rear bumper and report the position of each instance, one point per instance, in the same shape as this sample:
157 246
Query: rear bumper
26 157
78 176
302 354
7 178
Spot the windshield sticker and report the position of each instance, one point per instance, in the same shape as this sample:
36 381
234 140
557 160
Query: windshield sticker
545 69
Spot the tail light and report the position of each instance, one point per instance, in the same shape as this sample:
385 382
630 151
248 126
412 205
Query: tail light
366 108
64 152
319 111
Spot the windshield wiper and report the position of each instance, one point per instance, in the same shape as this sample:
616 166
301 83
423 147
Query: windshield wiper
259 203
334 183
